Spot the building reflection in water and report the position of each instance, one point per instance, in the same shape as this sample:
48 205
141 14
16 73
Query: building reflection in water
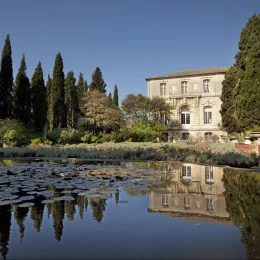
193 190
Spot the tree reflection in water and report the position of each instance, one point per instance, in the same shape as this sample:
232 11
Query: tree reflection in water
243 205
5 226
242 195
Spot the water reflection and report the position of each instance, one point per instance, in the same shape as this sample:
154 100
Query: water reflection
243 205
189 192
193 189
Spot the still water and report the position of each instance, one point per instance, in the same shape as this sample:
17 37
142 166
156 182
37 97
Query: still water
160 211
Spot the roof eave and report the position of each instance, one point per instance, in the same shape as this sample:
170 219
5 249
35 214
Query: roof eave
183 76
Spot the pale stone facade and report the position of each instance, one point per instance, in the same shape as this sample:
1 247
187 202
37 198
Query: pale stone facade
195 96
195 190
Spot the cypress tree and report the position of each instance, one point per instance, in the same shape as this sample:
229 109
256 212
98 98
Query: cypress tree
58 108
39 101
80 89
6 79
229 118
97 81
48 98
247 91
22 95
85 86
71 100
115 96
110 97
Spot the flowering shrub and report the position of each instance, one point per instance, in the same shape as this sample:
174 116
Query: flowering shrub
202 148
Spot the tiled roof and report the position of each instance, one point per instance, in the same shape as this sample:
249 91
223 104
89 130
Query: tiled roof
192 73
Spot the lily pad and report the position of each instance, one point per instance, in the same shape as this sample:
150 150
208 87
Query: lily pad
12 197
47 201
64 198
6 202
26 205
93 195
26 198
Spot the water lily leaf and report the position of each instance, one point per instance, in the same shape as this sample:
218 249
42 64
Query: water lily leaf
26 205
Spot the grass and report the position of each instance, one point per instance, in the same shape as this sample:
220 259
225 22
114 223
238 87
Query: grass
206 153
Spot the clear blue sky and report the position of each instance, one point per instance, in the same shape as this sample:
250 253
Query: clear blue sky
128 39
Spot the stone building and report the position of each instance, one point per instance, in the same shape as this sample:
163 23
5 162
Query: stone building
195 190
195 96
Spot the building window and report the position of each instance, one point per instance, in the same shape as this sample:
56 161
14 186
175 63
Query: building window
206 84
209 174
186 171
184 85
165 200
209 205
185 136
163 89
186 202
207 115
185 116
208 136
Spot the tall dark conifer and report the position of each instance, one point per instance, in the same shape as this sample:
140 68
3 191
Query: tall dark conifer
48 98
115 96
6 79
80 89
228 113
58 108
98 82
22 95
247 91
71 100
86 88
39 102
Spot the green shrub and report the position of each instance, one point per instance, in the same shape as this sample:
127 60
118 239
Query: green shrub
47 142
13 132
86 138
11 137
35 142
69 136
54 135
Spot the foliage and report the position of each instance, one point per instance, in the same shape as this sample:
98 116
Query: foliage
243 205
37 142
160 110
39 100
58 109
98 82
247 94
49 99
69 136
115 96
229 118
141 132
22 95
71 100
161 153
100 116
54 135
6 79
80 89
136 106
8 126
11 137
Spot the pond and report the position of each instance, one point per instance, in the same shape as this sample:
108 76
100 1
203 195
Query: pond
95 210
